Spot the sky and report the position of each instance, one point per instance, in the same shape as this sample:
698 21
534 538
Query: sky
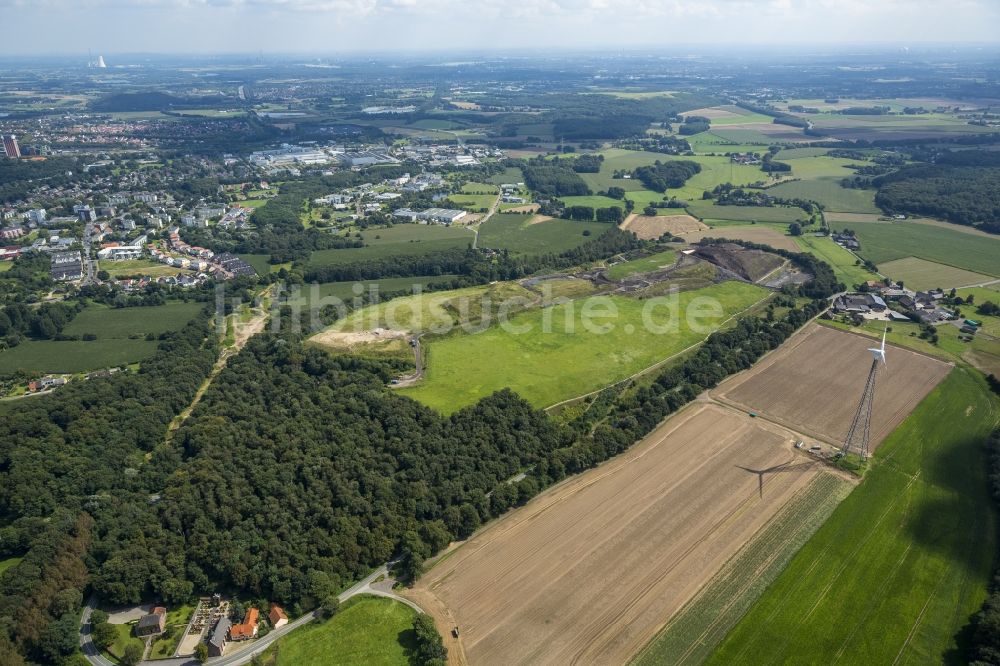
56 27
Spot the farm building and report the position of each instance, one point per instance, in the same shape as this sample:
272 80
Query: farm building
861 303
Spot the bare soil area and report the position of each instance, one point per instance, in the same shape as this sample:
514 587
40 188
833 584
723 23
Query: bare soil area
754 233
814 382
589 571
650 228
347 339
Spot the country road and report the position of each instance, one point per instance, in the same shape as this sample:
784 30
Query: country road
367 585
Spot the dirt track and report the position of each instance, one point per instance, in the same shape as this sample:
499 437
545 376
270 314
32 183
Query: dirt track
590 570
816 379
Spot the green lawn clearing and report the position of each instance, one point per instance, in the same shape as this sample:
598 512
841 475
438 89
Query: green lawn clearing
643 265
522 234
549 355
368 631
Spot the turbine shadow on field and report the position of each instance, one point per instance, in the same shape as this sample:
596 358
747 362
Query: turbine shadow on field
776 469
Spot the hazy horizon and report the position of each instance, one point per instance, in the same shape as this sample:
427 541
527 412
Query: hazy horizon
319 27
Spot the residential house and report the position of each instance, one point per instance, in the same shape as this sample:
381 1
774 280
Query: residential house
246 629
277 617
152 624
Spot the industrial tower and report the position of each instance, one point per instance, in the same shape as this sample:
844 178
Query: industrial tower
860 432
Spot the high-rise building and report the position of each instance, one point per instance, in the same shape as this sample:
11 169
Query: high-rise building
10 147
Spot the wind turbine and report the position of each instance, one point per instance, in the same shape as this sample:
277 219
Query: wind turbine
860 431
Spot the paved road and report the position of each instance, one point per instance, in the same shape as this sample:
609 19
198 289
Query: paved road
364 586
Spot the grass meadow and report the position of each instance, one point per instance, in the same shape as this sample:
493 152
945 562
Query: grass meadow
922 275
114 346
643 265
844 263
882 242
548 367
367 630
517 233
399 240
910 551
829 193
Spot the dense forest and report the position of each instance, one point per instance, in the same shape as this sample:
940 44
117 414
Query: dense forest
73 471
963 188
555 181
984 647
663 175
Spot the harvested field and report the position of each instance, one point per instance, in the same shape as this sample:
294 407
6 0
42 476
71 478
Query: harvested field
590 570
651 228
815 380
526 208
754 233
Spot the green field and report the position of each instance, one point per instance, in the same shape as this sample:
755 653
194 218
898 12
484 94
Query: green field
6 266
702 624
509 175
515 232
138 267
707 210
421 313
644 265
843 262
346 291
107 323
366 631
921 275
829 193
474 203
883 242
594 201
554 357
896 572
399 240
113 347
480 188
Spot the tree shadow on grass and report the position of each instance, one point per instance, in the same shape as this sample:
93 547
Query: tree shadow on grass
408 639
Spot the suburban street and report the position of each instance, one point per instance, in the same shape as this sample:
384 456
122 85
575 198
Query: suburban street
367 585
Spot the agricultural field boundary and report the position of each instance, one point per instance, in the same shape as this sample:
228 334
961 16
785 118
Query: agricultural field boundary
705 620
